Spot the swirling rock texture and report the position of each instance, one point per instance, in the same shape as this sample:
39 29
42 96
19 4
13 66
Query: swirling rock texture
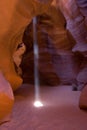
69 64
48 37
55 45
56 60
15 16
59 55
75 13
13 23
47 74
82 4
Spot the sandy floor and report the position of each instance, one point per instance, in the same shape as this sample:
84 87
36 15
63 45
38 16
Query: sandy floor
60 111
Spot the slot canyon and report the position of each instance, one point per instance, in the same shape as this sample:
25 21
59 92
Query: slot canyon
55 71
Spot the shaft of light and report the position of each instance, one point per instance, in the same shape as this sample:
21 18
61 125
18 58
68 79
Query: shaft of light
37 102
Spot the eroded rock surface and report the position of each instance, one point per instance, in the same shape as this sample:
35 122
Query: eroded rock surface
15 16
54 41
56 61
6 99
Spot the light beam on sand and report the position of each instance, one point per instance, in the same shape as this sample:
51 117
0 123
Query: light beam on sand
37 102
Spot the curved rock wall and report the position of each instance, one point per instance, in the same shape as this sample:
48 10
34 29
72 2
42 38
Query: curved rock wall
58 50
60 45
15 16
75 23
55 45
82 4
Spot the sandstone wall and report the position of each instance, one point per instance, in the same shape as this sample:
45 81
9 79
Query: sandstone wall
15 16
